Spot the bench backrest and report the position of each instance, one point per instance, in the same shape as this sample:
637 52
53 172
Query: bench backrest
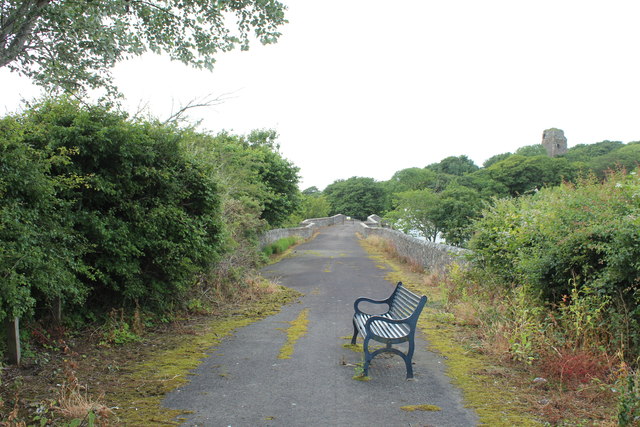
404 303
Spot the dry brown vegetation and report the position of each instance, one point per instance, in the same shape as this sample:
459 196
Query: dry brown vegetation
119 376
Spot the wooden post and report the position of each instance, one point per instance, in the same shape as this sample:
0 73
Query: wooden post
57 310
13 340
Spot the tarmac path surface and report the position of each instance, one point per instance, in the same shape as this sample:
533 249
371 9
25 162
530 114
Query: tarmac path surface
244 383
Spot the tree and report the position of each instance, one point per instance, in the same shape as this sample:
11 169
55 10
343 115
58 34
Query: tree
416 211
311 191
482 182
587 152
626 157
456 209
452 165
72 45
411 179
278 175
495 159
532 150
311 206
252 172
522 174
357 197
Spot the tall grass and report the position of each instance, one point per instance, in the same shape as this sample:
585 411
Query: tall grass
280 245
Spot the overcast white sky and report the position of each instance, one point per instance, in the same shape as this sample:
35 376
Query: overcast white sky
370 87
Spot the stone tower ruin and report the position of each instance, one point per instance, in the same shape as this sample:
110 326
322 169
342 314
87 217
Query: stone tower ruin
554 142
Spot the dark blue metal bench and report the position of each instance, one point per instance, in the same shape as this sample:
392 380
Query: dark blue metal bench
396 326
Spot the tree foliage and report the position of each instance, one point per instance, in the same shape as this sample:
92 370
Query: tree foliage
73 45
40 252
626 157
522 174
417 179
460 165
278 175
587 152
416 212
532 150
149 215
458 207
100 210
580 238
357 197
252 170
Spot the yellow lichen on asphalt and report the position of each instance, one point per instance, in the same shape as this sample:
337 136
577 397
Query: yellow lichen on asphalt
295 331
354 347
411 408
144 384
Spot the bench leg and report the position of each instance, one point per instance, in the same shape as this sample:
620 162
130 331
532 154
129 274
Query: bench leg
355 333
367 357
407 359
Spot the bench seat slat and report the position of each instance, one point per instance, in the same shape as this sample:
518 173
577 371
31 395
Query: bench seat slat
406 301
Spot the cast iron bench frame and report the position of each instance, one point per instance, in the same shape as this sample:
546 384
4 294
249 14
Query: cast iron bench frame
396 326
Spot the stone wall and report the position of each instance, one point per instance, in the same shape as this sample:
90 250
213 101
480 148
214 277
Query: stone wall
432 256
305 231
325 222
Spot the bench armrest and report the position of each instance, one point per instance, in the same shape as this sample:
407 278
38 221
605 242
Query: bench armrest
373 301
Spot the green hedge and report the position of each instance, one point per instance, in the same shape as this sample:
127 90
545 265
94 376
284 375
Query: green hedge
100 209
584 237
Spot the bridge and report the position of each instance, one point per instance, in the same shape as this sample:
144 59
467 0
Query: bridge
245 382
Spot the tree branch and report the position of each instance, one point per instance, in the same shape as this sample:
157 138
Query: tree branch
205 101
17 30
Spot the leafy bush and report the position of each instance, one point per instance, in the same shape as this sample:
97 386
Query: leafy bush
40 252
147 217
572 243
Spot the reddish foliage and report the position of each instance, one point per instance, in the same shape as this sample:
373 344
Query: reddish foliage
572 366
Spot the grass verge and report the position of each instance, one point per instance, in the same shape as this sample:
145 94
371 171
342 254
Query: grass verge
126 382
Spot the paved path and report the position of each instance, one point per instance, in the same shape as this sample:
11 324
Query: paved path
244 383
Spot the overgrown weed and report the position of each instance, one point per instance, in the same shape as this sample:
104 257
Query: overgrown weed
131 377
75 403
561 347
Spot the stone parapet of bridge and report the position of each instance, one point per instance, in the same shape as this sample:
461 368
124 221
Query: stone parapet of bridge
305 231
434 257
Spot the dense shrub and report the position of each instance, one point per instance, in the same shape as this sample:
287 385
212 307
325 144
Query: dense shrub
40 253
148 217
571 242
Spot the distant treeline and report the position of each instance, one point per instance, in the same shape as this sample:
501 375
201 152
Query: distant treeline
442 199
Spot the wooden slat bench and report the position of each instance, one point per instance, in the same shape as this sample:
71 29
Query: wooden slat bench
395 326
